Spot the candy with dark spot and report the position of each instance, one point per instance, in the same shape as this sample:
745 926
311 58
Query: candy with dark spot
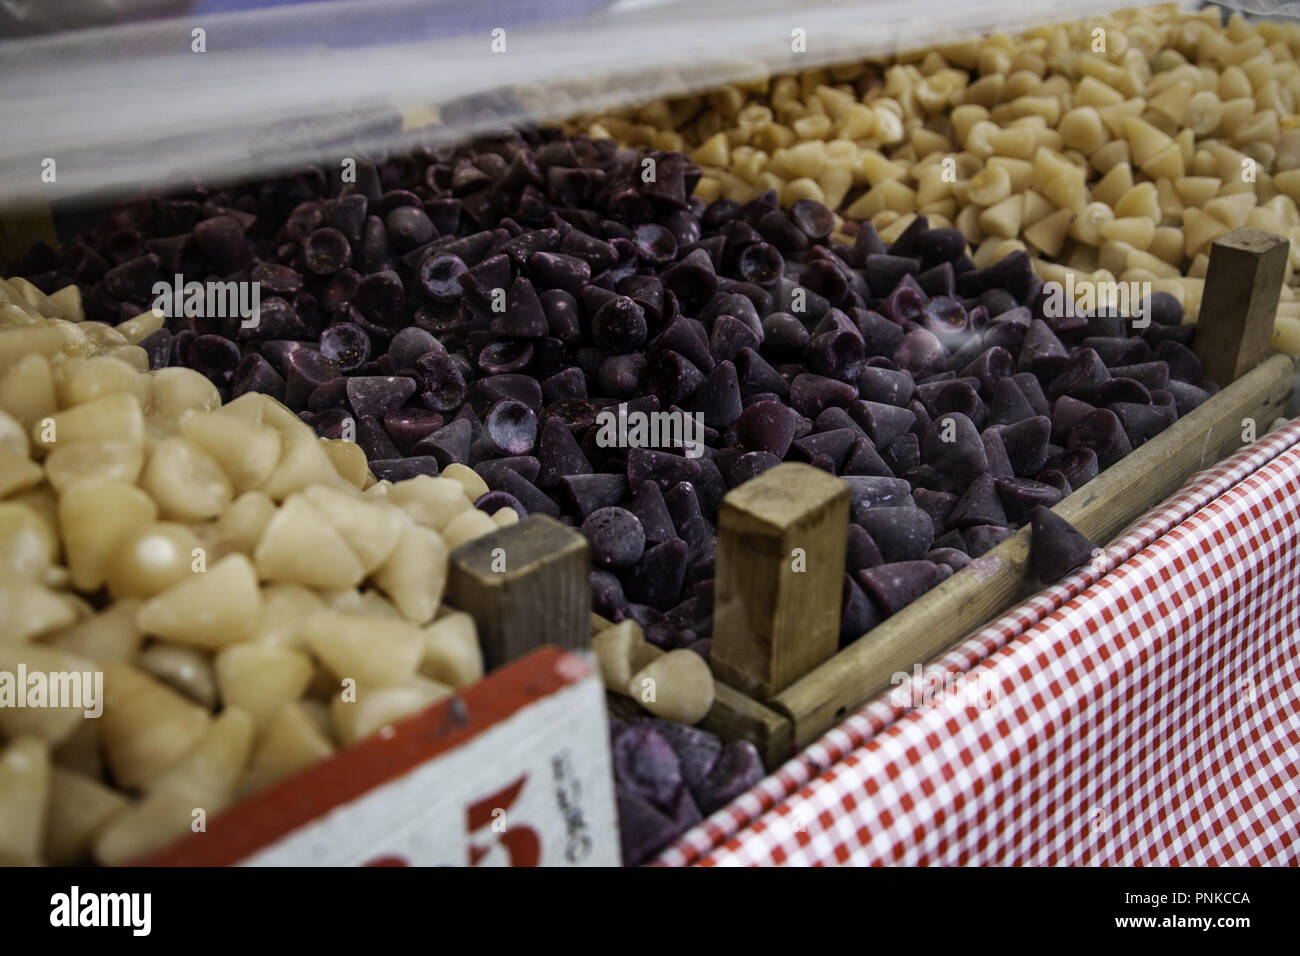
1056 547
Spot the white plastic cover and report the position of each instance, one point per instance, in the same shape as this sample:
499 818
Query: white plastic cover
129 106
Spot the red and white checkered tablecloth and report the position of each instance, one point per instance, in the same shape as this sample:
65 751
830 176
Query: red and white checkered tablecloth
1146 710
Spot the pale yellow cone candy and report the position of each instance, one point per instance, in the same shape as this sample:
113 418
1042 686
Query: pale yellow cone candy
415 574
65 678
371 528
80 806
260 678
433 502
378 707
108 635
185 669
24 799
370 651
212 608
146 727
293 741
28 545
615 648
301 546
29 609
452 654
677 686
151 558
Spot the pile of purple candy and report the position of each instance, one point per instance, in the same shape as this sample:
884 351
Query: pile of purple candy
485 304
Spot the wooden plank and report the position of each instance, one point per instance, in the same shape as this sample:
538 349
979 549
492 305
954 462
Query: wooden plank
511 771
21 228
525 585
780 572
1242 285
992 583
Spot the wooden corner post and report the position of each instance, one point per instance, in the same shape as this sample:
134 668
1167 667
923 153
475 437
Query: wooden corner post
1242 284
525 585
780 577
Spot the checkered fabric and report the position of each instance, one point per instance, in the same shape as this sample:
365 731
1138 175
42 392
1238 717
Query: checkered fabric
1145 710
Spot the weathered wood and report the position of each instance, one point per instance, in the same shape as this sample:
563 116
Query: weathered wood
991 584
525 585
1242 284
23 227
780 571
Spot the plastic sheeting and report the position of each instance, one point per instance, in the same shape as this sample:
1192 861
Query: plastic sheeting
135 105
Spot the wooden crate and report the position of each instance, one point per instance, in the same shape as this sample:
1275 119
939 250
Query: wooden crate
1236 318
784 656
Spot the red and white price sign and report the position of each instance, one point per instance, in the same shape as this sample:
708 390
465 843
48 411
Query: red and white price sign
513 771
